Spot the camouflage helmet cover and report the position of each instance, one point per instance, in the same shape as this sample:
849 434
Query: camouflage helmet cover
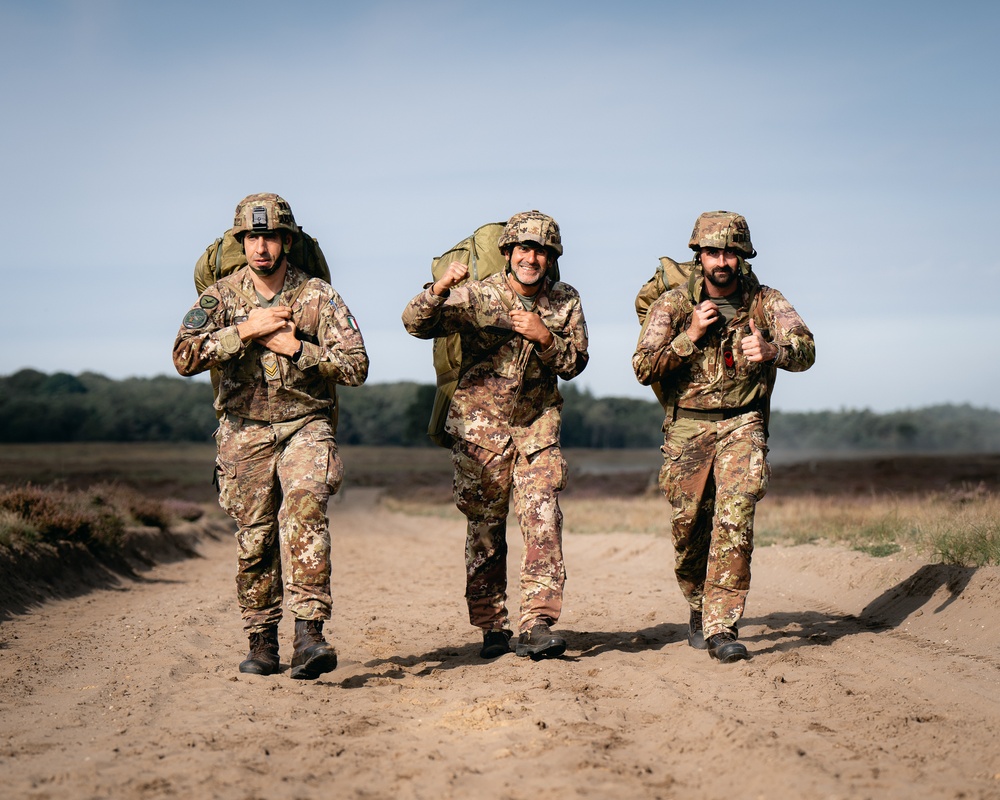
724 230
264 211
531 226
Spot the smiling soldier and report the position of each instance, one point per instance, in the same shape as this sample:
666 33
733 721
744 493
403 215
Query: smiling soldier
520 332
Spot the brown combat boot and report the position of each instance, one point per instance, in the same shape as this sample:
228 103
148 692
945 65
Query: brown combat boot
312 655
540 642
263 656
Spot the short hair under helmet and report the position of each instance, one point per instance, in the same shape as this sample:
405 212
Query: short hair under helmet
531 226
724 230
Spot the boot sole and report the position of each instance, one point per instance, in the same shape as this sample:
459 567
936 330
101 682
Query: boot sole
255 668
318 665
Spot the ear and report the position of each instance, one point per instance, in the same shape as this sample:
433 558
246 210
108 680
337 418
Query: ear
287 244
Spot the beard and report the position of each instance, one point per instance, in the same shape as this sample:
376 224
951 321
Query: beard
720 277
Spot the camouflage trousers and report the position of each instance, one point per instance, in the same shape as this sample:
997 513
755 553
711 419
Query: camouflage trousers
483 485
275 481
713 474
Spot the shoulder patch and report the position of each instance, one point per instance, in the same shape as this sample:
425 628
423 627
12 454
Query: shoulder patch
352 322
195 318
207 301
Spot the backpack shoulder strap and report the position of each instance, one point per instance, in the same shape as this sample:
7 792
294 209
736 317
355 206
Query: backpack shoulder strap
217 271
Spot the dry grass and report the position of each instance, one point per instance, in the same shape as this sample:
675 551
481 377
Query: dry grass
943 507
961 527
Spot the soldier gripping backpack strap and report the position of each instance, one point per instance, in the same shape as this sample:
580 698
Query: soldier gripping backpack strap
226 255
669 275
480 252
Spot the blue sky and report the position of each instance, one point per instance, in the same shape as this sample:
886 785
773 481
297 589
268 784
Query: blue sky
858 138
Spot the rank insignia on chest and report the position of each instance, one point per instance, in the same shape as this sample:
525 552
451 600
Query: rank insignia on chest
270 364
730 361
195 318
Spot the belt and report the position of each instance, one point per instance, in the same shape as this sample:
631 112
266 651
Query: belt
716 415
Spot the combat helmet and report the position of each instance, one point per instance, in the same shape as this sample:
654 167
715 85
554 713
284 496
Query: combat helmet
724 230
264 211
531 226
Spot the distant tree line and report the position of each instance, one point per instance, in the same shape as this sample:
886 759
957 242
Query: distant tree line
35 407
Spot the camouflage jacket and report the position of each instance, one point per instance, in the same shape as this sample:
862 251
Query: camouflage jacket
508 387
254 382
714 373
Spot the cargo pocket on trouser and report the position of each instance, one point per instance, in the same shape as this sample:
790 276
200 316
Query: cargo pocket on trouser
479 484
334 470
672 451
759 471
225 472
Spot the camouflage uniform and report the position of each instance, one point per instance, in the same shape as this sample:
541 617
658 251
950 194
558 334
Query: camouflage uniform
715 450
277 456
505 417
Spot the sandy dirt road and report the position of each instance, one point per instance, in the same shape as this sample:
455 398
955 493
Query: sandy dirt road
868 679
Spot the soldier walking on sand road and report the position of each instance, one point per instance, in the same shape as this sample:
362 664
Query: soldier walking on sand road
520 332
280 341
712 344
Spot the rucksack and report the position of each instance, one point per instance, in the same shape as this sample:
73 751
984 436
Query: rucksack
669 275
225 255
479 252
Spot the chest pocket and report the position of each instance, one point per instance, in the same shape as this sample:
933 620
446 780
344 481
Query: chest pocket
306 319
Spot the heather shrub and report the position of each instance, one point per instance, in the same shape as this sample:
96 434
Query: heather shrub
55 515
130 505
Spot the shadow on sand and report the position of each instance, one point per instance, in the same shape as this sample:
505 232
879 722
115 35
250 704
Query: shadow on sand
785 631
886 612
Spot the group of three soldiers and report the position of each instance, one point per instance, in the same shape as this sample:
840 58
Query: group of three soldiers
279 341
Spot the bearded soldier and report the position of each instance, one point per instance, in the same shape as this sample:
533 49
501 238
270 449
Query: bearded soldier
712 345
520 332
279 342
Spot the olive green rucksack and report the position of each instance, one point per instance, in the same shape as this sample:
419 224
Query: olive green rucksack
225 255
669 275
479 252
